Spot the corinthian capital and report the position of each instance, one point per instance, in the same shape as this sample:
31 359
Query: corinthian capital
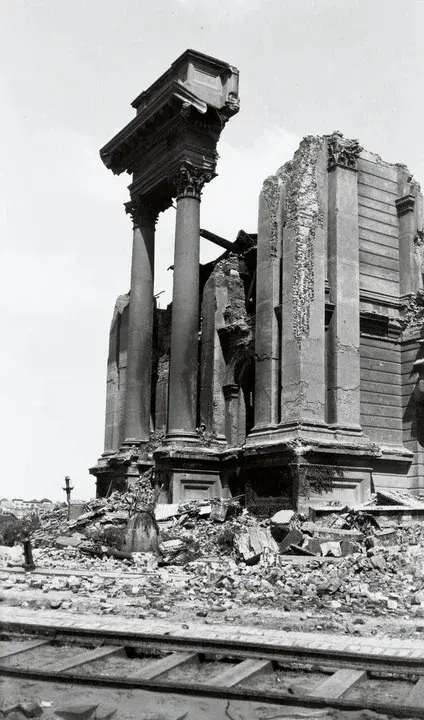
143 212
189 180
342 151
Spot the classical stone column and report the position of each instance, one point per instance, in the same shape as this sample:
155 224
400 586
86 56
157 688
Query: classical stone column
182 408
405 207
343 277
140 325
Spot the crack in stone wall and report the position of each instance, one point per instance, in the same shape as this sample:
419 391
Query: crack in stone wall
304 216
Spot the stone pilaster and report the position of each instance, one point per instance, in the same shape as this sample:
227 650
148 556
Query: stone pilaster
268 282
303 288
182 409
140 325
343 276
212 364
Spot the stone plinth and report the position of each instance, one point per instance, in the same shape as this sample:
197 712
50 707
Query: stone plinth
188 473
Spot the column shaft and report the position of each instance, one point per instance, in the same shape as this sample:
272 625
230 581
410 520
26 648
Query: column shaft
140 329
182 409
343 276
407 230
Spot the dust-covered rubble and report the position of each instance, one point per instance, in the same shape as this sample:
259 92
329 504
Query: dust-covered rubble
215 557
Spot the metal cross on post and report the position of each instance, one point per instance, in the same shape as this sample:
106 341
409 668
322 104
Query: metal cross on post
68 490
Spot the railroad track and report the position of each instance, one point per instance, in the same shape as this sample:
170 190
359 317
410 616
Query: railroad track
295 676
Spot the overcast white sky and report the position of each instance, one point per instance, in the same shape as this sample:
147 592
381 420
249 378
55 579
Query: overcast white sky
69 70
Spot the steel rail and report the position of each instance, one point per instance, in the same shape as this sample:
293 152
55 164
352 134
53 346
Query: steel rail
204 690
235 648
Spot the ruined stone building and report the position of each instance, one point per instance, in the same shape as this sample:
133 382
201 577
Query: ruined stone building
293 363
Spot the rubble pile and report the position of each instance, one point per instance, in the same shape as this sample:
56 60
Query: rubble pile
380 581
215 556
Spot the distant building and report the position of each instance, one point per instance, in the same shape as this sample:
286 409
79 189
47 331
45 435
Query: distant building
21 507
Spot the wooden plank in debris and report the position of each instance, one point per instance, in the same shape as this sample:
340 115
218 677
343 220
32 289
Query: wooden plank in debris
416 696
82 658
163 665
23 647
339 683
243 671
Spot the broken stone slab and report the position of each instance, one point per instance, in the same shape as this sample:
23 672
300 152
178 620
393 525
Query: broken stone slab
30 709
314 546
330 586
280 524
298 550
219 511
250 544
105 712
165 511
332 534
81 711
331 548
386 537
348 547
294 537
115 518
73 540
396 497
172 545
308 527
282 517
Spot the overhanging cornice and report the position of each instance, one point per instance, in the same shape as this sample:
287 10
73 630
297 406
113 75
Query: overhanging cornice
115 153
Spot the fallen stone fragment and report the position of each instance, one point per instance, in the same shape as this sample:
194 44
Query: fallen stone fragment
378 562
31 709
308 527
219 511
76 712
164 511
330 586
327 533
69 541
105 712
331 549
298 550
347 547
387 537
314 546
282 517
250 544
294 537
